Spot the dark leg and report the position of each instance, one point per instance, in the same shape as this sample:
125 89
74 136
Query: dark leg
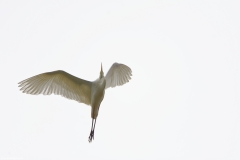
91 136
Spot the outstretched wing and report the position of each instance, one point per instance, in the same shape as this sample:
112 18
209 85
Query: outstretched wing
118 75
60 83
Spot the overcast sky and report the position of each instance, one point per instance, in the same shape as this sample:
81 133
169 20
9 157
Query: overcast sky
183 101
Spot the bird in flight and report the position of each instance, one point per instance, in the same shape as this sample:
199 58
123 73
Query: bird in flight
71 87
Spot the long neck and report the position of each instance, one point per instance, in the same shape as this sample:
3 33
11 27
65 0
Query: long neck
101 75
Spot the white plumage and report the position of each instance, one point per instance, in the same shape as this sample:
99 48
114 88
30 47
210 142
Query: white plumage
71 87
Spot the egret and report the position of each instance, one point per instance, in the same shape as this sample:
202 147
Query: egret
71 87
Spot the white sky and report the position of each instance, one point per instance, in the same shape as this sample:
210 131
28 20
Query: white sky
181 104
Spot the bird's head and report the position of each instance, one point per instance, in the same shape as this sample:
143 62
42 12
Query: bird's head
101 73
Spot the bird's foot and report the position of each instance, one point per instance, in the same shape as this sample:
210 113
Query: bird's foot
91 136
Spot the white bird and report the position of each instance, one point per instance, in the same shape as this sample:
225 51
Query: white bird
64 84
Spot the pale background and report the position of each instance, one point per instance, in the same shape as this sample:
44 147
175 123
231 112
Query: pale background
181 104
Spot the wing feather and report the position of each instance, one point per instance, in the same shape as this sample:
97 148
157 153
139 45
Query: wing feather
118 75
59 83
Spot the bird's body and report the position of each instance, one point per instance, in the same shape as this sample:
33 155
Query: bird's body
69 86
97 95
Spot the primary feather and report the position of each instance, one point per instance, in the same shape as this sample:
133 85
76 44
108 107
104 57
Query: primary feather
118 75
60 83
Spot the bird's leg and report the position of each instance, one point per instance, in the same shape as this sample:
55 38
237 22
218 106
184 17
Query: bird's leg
94 128
91 136
91 133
